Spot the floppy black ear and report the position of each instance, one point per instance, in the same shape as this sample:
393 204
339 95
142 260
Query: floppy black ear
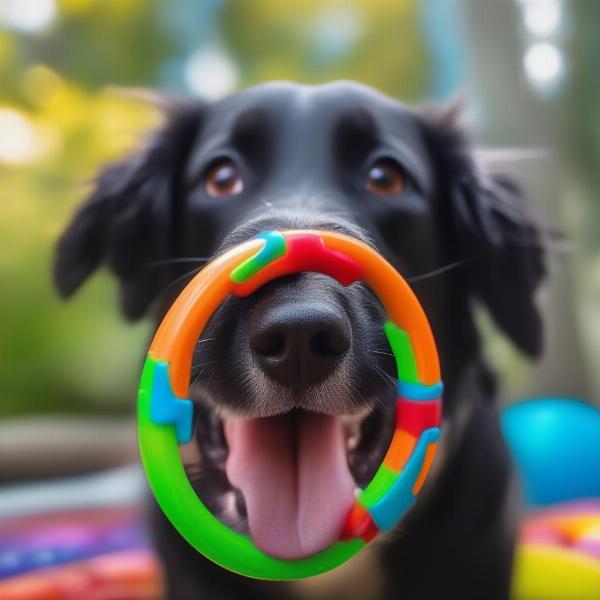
489 226
128 220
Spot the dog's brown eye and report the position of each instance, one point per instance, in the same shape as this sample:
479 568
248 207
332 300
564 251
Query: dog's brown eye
386 178
224 179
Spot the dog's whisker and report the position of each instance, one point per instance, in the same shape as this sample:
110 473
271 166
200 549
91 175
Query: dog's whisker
449 267
172 261
202 369
384 352
203 364
202 341
382 374
183 277
385 376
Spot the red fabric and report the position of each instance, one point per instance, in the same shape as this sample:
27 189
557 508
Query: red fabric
125 575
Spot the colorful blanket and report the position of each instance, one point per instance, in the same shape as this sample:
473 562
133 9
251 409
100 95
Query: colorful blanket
104 554
97 554
85 539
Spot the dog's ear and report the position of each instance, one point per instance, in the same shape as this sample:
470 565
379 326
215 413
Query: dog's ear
128 220
487 223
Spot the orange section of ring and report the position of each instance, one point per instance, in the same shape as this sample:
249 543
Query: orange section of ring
399 451
429 456
178 333
402 306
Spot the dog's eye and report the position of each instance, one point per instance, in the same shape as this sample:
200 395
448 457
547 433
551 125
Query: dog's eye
224 179
386 178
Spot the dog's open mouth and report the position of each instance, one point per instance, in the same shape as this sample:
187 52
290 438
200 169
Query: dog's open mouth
293 473
288 480
279 455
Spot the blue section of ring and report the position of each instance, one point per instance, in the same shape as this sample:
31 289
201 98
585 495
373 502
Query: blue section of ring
272 248
168 409
391 508
418 391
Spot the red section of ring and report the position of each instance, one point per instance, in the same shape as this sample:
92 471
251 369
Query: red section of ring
305 252
415 416
359 524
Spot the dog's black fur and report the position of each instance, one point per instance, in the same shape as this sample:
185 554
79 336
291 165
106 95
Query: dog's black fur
304 154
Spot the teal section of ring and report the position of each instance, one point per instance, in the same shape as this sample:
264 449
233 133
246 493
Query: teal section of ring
168 409
418 391
390 509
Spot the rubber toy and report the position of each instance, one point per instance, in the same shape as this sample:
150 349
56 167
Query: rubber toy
165 415
559 554
555 443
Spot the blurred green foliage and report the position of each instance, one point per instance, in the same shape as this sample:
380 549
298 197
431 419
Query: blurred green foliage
80 356
62 116
378 42
56 356
581 102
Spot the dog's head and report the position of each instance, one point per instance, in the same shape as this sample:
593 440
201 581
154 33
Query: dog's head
295 383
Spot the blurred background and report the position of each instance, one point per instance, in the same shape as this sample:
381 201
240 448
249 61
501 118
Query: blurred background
528 70
525 67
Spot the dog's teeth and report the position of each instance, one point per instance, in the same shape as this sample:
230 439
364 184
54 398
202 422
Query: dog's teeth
357 492
352 442
352 425
229 507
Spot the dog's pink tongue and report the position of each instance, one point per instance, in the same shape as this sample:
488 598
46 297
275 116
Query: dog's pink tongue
295 479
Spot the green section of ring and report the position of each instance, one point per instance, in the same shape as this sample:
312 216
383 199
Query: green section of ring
378 487
406 363
406 366
164 469
274 247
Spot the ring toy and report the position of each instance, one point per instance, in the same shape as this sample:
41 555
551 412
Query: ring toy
165 415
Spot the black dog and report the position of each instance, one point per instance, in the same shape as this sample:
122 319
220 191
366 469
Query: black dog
304 360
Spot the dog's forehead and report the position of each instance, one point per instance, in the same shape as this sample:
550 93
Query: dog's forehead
321 105
298 121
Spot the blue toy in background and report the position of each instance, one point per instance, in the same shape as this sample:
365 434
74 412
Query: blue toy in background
555 443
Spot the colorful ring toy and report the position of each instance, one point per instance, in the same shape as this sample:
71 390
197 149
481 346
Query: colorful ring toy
165 415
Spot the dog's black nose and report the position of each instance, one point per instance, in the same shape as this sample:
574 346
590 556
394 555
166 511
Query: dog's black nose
300 344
